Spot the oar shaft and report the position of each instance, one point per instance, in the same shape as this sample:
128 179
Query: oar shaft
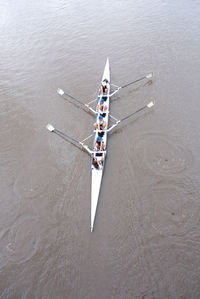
151 104
67 136
80 102
79 143
133 82
133 113
77 100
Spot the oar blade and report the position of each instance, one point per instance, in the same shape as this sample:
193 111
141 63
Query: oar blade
151 104
146 77
50 127
149 76
60 91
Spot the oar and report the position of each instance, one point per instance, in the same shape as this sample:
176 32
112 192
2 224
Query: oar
62 93
150 105
79 143
145 77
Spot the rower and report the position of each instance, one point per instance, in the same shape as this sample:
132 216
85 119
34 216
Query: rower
97 162
101 125
99 144
101 107
104 98
104 88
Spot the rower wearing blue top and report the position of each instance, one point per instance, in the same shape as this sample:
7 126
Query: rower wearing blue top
101 124
101 107
99 144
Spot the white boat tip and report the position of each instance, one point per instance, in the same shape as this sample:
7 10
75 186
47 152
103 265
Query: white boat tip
91 228
151 104
60 91
50 127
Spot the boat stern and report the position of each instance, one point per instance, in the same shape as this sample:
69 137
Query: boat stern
95 190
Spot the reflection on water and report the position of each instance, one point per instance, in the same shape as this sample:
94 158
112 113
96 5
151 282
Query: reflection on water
146 238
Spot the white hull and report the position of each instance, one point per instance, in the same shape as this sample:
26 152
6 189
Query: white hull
97 173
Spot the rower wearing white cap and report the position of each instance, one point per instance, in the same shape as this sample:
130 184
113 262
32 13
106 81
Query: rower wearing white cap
104 88
101 124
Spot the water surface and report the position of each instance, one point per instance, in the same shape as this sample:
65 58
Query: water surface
145 242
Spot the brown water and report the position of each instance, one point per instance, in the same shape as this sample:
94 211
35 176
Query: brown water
146 240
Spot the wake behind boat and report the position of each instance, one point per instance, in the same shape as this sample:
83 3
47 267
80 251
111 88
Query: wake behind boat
100 134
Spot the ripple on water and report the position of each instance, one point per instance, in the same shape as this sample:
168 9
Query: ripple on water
171 208
146 260
161 154
20 242
34 180
183 282
147 263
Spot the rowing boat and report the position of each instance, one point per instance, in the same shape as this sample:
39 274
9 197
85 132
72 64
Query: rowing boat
98 155
97 173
